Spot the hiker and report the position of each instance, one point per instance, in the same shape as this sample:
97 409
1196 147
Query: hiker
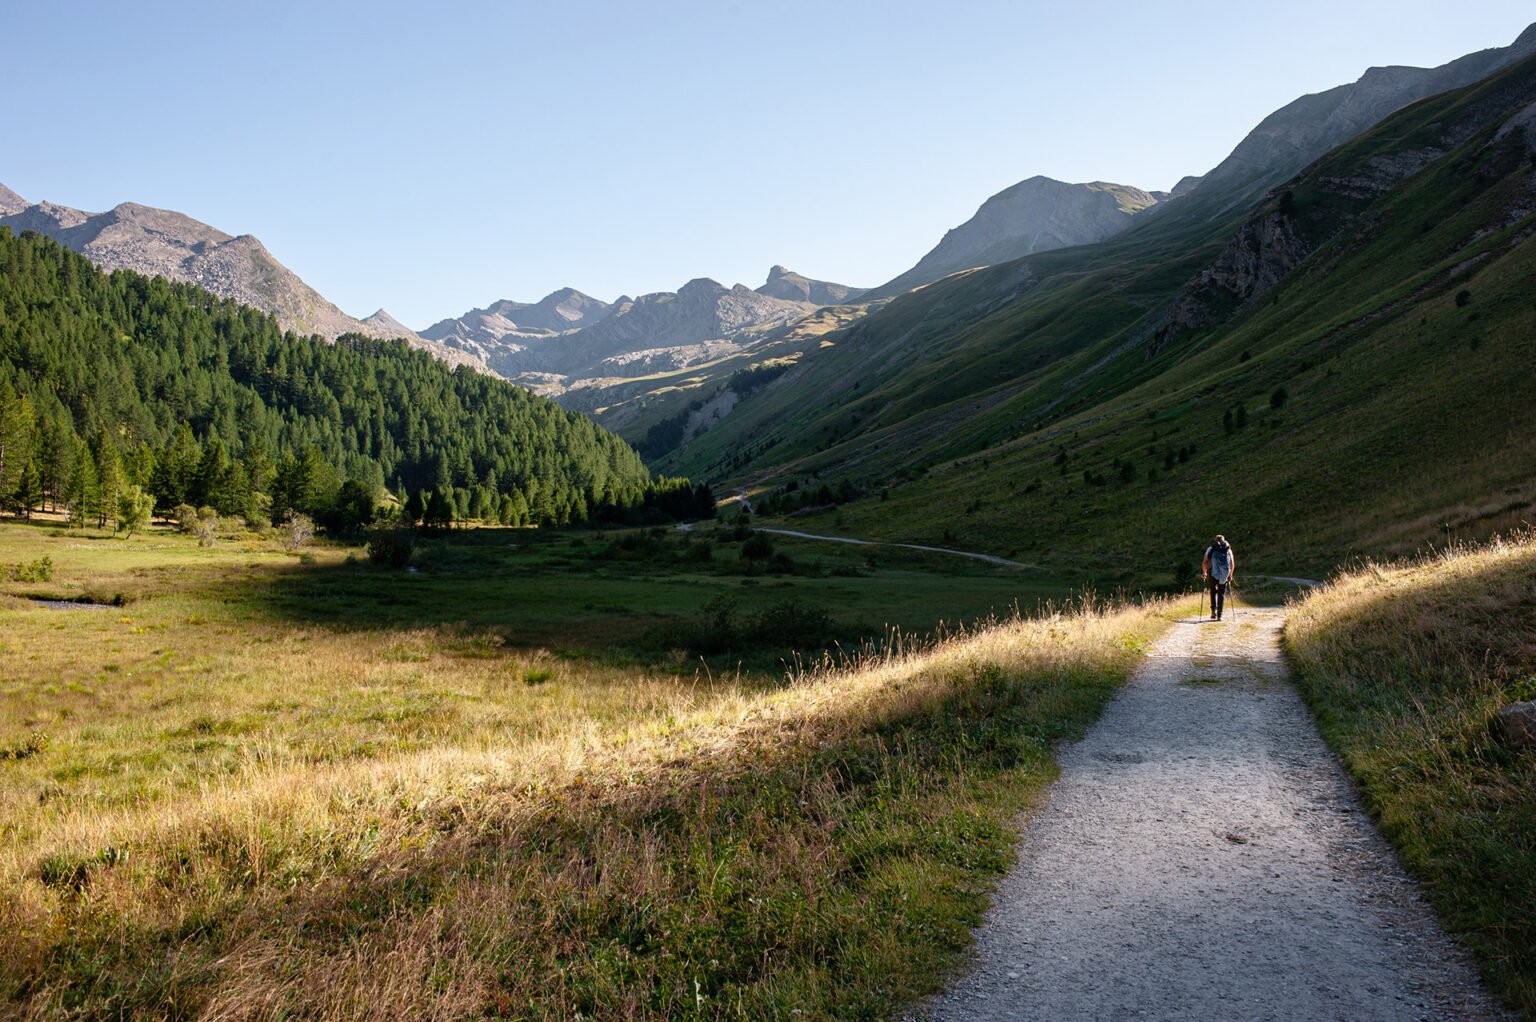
1218 568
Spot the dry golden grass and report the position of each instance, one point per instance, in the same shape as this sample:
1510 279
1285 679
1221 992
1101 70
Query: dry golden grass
1406 666
251 819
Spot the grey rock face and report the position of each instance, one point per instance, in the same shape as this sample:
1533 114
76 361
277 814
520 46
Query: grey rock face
10 202
1036 215
792 287
1517 721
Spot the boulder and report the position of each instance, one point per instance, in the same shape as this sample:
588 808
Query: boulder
1517 722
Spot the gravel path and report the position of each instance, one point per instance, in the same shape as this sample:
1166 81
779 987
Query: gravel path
1203 856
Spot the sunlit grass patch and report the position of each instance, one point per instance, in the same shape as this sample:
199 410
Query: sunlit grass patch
1406 666
409 821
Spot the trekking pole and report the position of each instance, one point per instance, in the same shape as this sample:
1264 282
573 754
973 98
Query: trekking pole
1232 585
1202 599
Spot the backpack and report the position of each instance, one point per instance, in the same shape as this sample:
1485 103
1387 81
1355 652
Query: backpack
1221 561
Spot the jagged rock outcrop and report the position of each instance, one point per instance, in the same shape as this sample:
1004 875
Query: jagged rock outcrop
792 287
506 336
1277 238
482 329
10 202
1035 215
631 337
1302 131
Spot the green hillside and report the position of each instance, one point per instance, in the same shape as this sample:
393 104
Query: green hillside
1343 369
115 381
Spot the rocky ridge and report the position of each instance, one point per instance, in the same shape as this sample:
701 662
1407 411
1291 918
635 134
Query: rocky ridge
570 339
497 334
1277 238
1302 131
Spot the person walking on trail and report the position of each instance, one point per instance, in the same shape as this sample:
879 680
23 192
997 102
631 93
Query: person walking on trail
1219 566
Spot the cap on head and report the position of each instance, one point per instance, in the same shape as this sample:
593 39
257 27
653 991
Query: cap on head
1220 538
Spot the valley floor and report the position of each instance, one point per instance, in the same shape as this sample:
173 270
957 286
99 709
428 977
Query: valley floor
1204 856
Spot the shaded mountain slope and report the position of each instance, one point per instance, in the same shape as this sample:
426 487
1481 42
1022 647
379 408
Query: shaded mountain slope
1302 131
1043 409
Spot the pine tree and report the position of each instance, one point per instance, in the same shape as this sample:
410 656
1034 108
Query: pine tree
28 494
415 507
134 507
439 513
84 491
109 480
17 436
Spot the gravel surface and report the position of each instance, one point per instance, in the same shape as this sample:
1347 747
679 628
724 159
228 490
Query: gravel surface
1204 856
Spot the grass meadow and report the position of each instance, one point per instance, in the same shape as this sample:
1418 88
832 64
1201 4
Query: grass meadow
242 783
1406 666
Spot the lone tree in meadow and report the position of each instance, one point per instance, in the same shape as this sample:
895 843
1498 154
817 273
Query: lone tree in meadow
134 507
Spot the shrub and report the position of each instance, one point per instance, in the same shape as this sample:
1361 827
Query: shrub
1463 297
206 526
1278 398
757 548
36 742
391 547
788 623
40 570
298 530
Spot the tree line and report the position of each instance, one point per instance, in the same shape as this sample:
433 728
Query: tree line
123 395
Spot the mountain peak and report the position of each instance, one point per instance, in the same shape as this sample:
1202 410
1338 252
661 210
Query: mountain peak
386 325
1035 215
701 286
790 286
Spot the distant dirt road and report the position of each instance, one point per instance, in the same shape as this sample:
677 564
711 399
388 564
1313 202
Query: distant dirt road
904 546
1203 856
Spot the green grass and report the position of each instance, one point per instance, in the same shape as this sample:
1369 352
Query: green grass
267 784
1406 667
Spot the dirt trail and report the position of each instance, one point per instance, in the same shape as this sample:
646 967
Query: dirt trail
1203 856
988 558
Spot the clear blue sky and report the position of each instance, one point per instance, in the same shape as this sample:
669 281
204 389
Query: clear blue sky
432 157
